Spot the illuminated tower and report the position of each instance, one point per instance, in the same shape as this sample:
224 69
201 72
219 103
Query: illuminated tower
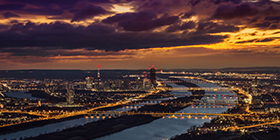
70 93
254 87
97 84
98 73
153 77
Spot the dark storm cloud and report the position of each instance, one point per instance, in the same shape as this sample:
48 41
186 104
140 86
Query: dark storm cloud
273 18
229 11
258 40
254 52
271 11
267 22
65 36
140 21
233 1
210 27
49 52
9 15
4 7
266 40
274 26
3 27
163 6
177 27
262 25
188 14
267 19
63 2
88 12
136 17
20 7
247 41
43 2
53 7
278 32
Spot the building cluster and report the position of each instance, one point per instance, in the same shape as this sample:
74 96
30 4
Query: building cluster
263 87
126 84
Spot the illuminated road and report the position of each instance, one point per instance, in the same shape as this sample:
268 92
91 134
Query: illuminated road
251 126
165 113
184 89
47 116
22 112
92 111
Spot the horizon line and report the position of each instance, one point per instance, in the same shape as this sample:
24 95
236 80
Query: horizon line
158 68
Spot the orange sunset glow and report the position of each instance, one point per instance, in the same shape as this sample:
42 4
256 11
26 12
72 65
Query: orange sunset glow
134 34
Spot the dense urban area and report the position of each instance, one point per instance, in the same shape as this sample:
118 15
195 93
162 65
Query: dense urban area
34 98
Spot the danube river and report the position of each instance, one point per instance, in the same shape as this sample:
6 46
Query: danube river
159 129
165 128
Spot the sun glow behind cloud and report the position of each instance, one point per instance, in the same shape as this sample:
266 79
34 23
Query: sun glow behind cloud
129 32
122 8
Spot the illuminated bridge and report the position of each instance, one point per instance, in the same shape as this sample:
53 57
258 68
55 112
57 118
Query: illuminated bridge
184 89
180 103
161 114
209 95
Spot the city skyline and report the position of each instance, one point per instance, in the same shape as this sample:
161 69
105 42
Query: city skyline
134 34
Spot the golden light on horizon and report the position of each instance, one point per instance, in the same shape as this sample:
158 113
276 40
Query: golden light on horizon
122 8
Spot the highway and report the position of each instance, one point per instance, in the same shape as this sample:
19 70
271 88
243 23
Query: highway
251 126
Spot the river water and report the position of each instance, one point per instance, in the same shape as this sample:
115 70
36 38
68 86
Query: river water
59 126
159 129
165 128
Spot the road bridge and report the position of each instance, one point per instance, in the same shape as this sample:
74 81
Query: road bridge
162 113
233 128
184 89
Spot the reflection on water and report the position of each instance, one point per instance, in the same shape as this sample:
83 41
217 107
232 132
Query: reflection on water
58 126
165 128
159 129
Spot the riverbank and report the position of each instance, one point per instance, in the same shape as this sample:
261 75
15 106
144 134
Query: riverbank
30 125
205 133
113 125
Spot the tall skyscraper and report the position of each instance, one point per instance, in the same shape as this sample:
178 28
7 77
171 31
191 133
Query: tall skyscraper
70 93
254 87
153 77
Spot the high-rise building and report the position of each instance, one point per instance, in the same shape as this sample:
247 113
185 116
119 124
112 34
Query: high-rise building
153 76
70 94
254 87
98 83
89 83
146 84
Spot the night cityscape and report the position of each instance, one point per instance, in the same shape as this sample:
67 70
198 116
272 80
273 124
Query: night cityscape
139 69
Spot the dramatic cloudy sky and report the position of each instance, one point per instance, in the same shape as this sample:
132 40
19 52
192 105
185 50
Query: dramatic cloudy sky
79 34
